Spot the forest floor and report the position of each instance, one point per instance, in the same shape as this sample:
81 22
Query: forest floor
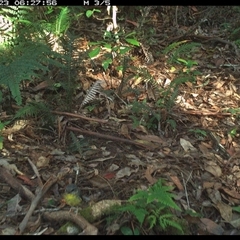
187 134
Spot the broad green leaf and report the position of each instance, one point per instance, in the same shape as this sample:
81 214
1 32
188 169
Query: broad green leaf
132 41
106 63
124 50
130 34
236 209
89 13
126 231
108 46
94 52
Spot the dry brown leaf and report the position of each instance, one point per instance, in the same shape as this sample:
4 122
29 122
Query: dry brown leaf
42 162
42 85
148 174
177 182
146 144
213 168
214 195
235 222
203 149
99 182
194 8
218 84
124 131
225 211
150 138
187 146
125 172
208 185
212 227
231 193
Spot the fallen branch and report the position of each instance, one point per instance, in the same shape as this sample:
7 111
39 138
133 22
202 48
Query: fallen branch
72 115
7 177
80 116
88 229
51 181
109 137
207 113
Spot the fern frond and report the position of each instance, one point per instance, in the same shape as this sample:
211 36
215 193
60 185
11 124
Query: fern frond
62 21
177 49
167 220
33 109
92 92
76 145
162 194
24 66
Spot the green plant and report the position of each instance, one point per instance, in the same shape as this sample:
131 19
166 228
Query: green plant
77 145
37 110
2 126
142 114
154 207
89 13
128 231
199 133
233 132
23 63
177 50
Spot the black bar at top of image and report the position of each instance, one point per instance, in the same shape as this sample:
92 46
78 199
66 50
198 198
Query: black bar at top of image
84 3
91 3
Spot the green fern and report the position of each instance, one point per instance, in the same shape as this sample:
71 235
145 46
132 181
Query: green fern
33 109
154 207
62 22
77 145
159 193
177 49
27 61
167 220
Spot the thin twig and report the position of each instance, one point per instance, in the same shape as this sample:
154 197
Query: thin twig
185 187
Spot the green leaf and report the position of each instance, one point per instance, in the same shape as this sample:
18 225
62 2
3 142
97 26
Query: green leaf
94 52
130 34
139 195
89 13
124 50
106 63
132 41
236 209
126 231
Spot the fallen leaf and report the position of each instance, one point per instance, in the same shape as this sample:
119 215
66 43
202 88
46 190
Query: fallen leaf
124 131
211 226
113 167
42 162
177 182
203 149
98 182
123 172
26 180
13 205
109 175
208 185
235 220
225 211
148 174
231 193
150 138
213 168
214 195
187 146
